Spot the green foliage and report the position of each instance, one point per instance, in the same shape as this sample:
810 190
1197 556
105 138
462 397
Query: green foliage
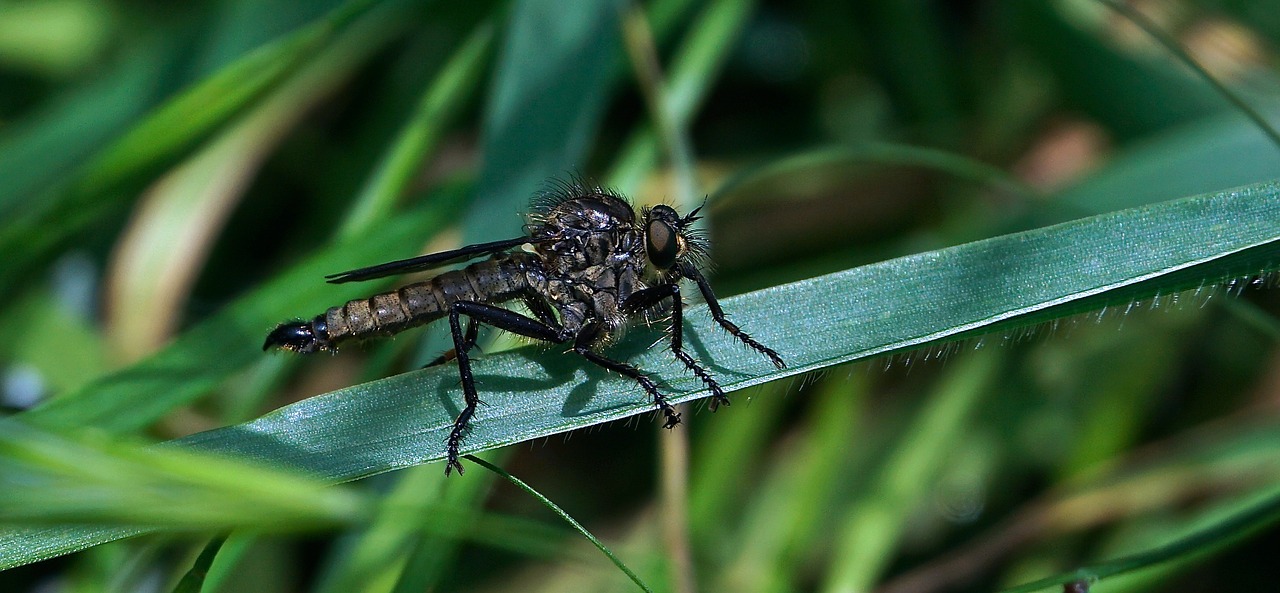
1023 288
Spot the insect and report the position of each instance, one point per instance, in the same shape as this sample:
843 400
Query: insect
594 267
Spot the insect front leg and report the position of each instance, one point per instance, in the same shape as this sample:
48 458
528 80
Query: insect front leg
651 297
500 318
582 345
717 313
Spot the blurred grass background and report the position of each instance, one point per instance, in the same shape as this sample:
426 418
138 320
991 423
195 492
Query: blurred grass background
174 179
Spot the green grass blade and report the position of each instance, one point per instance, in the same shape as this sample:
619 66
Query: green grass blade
1251 520
37 153
874 523
205 106
891 306
1201 156
193 580
95 190
410 545
693 69
185 209
563 515
96 486
791 506
91 480
421 133
375 557
883 153
1185 57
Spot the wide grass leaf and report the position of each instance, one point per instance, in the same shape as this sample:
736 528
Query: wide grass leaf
896 305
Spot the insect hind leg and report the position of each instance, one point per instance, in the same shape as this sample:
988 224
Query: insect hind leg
500 318
468 344
535 304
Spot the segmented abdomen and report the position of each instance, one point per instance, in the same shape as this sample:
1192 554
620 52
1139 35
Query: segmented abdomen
494 280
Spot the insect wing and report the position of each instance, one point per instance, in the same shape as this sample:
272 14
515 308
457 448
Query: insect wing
426 262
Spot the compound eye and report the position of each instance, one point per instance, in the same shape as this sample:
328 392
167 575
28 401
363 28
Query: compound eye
663 244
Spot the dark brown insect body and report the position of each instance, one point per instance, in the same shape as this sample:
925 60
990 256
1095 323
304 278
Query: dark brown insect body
594 266
494 280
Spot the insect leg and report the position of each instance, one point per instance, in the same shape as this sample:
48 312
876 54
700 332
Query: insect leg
650 297
717 313
500 318
536 304
469 342
582 345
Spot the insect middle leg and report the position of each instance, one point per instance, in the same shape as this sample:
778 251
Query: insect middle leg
651 297
500 318
582 345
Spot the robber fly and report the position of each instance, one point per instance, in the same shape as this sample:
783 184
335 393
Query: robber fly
593 267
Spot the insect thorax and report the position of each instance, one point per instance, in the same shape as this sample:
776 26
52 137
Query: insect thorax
595 262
